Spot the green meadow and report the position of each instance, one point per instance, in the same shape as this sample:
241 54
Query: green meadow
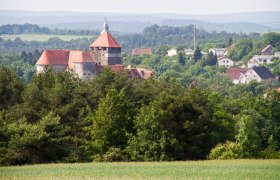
41 37
214 169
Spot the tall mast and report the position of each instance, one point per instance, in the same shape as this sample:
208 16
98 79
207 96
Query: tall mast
194 29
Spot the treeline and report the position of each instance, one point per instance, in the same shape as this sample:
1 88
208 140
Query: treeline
23 29
153 37
15 29
60 118
24 64
15 47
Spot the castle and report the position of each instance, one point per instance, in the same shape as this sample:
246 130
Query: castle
105 51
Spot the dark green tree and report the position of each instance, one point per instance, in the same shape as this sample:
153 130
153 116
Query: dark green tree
10 87
197 54
111 123
181 58
230 42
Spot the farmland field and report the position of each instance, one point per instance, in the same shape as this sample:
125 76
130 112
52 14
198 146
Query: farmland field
215 169
41 37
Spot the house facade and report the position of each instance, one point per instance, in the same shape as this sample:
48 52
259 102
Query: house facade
258 60
235 74
172 52
256 74
188 52
219 52
225 62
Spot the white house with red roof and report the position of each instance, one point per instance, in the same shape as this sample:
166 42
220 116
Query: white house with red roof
105 52
236 73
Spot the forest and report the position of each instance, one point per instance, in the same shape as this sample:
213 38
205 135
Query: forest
189 110
60 118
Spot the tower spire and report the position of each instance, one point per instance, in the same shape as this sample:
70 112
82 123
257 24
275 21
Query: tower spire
105 26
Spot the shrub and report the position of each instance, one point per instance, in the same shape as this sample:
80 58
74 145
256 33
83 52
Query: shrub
229 150
113 154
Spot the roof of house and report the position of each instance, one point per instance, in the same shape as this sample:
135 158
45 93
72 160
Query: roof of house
54 57
134 73
262 56
263 72
141 51
234 72
218 49
114 68
79 57
144 73
224 58
64 57
105 40
266 49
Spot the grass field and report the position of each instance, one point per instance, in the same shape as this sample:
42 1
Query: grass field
228 169
41 37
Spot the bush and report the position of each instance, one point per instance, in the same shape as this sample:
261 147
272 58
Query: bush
113 155
229 150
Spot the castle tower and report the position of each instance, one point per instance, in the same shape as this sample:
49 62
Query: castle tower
106 49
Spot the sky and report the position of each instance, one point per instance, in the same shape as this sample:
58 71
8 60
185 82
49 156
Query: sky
195 7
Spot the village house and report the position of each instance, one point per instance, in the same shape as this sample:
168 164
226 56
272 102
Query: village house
104 52
219 52
172 52
257 74
234 73
258 60
188 52
141 51
224 61
277 54
267 50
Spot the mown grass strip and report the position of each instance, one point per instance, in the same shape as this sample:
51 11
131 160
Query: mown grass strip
230 169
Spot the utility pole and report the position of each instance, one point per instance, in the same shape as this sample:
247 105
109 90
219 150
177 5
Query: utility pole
194 29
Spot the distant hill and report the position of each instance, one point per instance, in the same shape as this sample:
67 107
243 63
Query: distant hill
135 23
236 27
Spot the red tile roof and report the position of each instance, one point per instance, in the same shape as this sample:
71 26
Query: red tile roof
79 56
141 51
114 68
105 40
140 73
144 73
54 57
234 72
134 73
267 49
